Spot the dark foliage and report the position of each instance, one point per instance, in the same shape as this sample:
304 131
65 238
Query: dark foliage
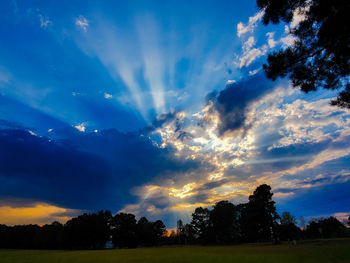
127 233
87 230
18 236
320 57
49 236
288 230
225 223
150 233
325 228
260 216
124 230
201 225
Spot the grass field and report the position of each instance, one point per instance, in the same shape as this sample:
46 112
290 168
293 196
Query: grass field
315 251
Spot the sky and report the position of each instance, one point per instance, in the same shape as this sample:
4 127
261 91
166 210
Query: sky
156 108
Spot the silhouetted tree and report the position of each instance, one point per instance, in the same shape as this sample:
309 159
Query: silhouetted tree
144 232
320 56
224 220
190 234
180 232
49 236
21 236
201 224
288 229
87 231
325 228
332 227
172 238
158 230
150 233
313 229
259 217
124 230
287 219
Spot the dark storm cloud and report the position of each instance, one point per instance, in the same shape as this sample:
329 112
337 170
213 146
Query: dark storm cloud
69 213
17 202
35 168
165 118
159 122
212 185
325 199
85 171
232 102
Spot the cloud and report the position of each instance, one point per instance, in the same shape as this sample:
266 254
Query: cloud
82 23
270 41
232 166
100 167
342 216
251 55
80 127
253 72
299 15
44 21
249 43
107 96
288 40
318 201
39 213
232 102
252 23
48 172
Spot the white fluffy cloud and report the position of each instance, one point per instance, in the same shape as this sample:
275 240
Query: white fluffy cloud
81 127
299 15
250 26
82 23
232 166
250 55
107 95
270 41
249 43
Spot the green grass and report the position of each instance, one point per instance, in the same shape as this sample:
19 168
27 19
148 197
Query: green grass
315 251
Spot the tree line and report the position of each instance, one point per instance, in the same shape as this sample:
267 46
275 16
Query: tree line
87 231
255 221
225 223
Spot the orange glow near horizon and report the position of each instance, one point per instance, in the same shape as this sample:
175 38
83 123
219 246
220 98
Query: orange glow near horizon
38 214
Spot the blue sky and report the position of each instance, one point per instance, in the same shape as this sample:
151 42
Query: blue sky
155 108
